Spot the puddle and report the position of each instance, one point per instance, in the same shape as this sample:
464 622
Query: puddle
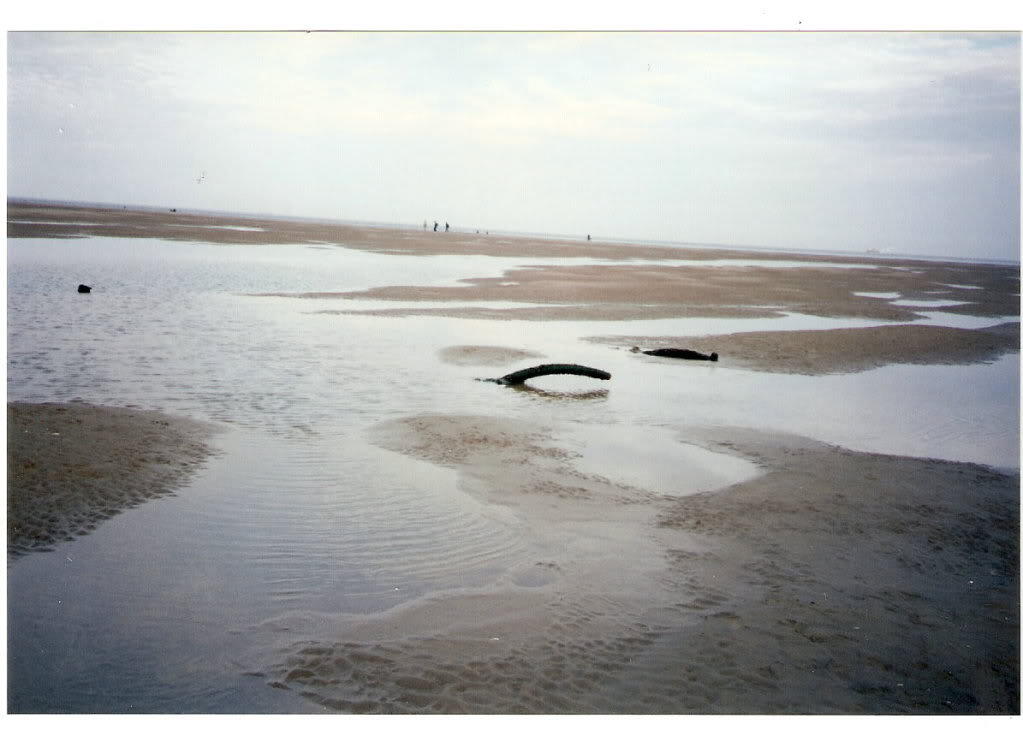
962 321
924 303
215 228
878 294
652 459
774 264
357 305
54 223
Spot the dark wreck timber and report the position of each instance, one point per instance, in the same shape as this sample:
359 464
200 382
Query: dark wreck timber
521 376
681 354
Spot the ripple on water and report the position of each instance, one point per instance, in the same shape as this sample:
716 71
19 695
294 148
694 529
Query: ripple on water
271 527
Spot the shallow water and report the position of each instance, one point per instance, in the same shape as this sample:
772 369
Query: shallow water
170 606
926 303
878 294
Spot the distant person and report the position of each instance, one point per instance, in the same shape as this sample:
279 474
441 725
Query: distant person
446 226
435 226
587 236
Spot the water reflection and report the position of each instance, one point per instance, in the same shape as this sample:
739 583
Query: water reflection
534 391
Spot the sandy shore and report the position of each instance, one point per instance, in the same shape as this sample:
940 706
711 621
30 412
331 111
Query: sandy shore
40 220
882 584
70 466
640 282
834 582
651 291
848 350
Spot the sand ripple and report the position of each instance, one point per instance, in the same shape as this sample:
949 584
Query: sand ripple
835 582
71 466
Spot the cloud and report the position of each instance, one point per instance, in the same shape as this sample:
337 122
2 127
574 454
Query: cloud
564 121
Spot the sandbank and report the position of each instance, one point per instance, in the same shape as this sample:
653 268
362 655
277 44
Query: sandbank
651 291
32 219
72 465
846 350
833 582
637 281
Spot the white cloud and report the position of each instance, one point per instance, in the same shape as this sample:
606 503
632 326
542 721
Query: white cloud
565 121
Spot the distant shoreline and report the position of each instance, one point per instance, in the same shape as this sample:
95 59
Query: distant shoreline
586 280
616 240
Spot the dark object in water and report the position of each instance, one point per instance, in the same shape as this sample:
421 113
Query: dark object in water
83 289
682 354
521 376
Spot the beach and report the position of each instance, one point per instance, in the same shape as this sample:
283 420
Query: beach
74 465
690 537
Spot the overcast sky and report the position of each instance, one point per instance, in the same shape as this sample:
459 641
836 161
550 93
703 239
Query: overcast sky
848 141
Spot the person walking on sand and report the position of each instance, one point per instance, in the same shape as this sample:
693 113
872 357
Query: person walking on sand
446 226
435 226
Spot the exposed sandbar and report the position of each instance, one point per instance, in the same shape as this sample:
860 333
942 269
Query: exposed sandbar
880 584
834 582
72 465
652 291
639 282
26 219
822 352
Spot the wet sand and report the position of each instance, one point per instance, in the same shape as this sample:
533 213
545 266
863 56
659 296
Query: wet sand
880 584
639 282
847 350
833 582
40 220
654 291
71 466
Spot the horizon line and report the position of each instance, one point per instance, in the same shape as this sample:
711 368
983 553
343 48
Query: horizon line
618 239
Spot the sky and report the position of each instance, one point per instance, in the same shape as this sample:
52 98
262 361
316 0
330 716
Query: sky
899 141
